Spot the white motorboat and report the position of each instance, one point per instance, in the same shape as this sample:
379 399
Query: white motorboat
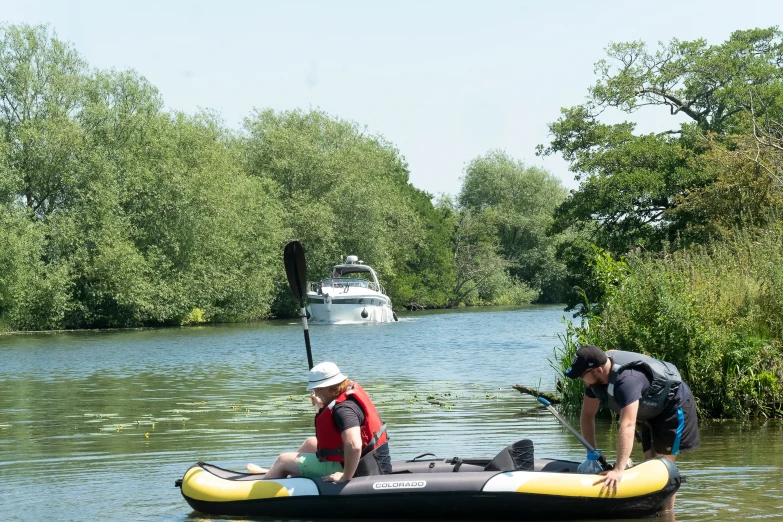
351 295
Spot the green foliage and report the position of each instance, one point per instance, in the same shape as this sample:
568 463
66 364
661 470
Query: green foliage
710 84
33 294
481 274
346 192
714 312
519 200
41 81
572 390
746 191
696 212
133 216
427 277
632 184
195 316
118 213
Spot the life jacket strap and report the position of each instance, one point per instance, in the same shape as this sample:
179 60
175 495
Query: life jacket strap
375 438
322 454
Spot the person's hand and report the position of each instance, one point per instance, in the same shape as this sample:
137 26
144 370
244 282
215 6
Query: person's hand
334 477
315 401
611 479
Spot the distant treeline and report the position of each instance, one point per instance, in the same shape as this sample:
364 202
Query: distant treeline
115 212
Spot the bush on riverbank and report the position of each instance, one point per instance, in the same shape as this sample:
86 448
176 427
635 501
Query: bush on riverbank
715 311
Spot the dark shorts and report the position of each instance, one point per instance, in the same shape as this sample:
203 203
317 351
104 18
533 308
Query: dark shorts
674 431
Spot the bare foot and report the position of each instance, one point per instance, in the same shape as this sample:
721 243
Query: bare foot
253 468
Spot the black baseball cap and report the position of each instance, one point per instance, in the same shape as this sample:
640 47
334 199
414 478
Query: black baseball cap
586 358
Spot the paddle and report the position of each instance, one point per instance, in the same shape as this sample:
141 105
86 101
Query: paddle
570 428
296 271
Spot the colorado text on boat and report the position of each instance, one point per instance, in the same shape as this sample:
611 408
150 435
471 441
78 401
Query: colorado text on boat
343 299
479 489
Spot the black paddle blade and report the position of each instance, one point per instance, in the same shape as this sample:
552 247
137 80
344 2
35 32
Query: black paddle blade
295 269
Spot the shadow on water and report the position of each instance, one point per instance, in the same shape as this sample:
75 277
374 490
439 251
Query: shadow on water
103 422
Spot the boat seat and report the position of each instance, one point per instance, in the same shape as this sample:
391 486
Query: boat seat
514 457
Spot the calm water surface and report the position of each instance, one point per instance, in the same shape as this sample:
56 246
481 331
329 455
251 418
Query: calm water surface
98 425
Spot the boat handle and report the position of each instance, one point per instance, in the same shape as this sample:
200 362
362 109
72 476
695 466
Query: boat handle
424 455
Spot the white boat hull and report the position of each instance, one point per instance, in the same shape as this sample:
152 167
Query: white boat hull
349 309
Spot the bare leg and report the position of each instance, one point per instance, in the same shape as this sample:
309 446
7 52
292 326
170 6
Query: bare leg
669 504
284 466
310 445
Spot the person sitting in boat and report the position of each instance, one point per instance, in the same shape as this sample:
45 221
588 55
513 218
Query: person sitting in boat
350 437
642 390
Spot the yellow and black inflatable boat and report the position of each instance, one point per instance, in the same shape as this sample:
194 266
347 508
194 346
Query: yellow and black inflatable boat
437 489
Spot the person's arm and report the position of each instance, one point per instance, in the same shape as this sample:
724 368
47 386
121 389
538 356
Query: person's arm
352 452
352 447
611 479
626 435
348 418
587 418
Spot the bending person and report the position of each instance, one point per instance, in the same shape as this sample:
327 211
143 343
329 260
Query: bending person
642 390
349 433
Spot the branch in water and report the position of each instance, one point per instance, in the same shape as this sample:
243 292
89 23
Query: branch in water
535 393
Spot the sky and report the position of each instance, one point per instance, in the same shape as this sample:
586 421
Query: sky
444 81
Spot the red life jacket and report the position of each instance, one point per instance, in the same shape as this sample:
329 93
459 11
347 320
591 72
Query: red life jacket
330 440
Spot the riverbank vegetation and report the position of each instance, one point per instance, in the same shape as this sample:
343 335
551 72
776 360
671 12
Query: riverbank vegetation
684 245
115 212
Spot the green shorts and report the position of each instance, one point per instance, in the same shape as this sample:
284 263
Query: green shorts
311 467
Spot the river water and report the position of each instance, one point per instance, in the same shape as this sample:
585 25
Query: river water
98 425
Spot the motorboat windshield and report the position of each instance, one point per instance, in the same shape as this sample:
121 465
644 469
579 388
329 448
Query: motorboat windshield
346 281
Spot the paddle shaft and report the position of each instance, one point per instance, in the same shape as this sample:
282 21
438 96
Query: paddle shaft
570 428
565 424
303 311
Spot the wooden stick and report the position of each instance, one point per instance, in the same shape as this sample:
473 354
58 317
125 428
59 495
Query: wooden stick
535 393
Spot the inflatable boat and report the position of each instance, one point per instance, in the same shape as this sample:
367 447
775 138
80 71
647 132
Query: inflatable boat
430 488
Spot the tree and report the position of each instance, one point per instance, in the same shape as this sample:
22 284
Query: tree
345 192
116 213
426 279
40 94
746 191
519 200
630 183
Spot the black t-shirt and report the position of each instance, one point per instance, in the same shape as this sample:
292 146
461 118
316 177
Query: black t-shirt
631 385
348 414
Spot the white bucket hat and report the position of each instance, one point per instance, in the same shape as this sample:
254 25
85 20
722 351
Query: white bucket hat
325 374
